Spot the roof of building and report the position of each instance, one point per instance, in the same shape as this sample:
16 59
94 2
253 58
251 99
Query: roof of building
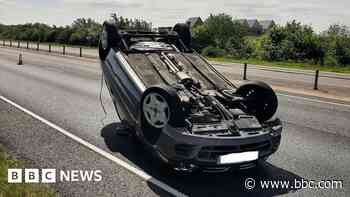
252 22
266 24
242 21
194 21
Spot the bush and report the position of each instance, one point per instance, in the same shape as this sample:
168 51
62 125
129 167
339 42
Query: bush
201 38
238 48
271 51
330 60
254 46
211 51
83 31
342 50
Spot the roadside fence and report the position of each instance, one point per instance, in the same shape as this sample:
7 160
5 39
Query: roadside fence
312 77
52 48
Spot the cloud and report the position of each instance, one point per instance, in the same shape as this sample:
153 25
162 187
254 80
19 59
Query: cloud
116 4
121 4
6 2
319 13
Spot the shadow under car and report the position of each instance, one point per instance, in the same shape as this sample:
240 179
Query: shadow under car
201 184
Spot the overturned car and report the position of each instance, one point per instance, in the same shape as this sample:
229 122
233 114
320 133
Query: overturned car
181 107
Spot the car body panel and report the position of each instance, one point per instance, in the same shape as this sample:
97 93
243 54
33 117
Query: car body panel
129 75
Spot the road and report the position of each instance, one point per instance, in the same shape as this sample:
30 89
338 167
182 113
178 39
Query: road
65 91
331 85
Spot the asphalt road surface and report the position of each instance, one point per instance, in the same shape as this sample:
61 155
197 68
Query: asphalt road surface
337 85
65 91
330 83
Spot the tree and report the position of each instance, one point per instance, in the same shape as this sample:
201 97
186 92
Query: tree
64 35
201 37
131 24
219 31
338 30
342 50
220 28
256 29
294 42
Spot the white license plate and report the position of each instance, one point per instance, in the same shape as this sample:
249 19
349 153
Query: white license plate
238 157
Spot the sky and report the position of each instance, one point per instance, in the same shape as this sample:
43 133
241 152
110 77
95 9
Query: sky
318 13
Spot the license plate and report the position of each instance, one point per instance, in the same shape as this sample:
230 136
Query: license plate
238 157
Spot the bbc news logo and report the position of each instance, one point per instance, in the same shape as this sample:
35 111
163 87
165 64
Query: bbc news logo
52 176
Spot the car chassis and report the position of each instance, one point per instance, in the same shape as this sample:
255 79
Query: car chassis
178 105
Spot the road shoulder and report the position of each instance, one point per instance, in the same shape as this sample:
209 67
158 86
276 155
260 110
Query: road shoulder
44 147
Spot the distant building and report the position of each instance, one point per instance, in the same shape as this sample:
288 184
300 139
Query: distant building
256 26
243 22
194 22
253 23
267 24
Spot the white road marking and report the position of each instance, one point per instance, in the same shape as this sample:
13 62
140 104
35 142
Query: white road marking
314 100
103 153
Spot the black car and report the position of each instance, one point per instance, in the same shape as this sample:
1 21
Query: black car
181 107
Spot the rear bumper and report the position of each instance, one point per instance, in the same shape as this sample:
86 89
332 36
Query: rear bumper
203 152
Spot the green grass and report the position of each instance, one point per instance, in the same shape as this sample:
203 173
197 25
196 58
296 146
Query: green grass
18 190
303 66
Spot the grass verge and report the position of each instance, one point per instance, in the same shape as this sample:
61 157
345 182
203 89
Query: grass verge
19 190
302 66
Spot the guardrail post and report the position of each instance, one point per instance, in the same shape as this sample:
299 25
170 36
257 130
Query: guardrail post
27 44
81 52
49 48
64 50
37 46
316 79
10 43
3 42
245 71
19 44
20 60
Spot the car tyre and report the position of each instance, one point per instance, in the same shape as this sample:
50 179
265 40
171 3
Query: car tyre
110 38
184 32
160 106
260 99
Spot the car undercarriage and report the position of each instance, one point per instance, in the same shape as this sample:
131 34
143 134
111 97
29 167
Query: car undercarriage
179 105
